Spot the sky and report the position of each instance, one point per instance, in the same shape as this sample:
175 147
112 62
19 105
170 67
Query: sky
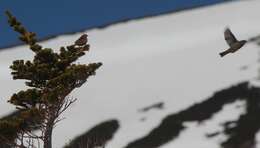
48 18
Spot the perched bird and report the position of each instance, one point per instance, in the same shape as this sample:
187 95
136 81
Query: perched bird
82 40
233 43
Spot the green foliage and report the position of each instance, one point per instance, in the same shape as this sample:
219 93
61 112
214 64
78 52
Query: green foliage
26 120
51 76
9 128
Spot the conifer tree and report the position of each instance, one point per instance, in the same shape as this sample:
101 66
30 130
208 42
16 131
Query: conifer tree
51 77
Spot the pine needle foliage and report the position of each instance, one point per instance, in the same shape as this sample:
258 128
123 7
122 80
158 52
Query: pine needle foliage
51 76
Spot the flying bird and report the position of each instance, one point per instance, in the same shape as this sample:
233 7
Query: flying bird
233 43
82 40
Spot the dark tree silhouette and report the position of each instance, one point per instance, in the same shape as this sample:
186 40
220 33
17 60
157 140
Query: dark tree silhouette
51 76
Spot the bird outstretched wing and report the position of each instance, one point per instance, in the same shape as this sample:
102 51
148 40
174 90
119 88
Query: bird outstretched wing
229 37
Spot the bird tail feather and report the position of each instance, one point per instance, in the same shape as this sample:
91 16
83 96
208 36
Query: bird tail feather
222 54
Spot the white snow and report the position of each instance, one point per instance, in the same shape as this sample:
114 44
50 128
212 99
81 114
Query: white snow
171 58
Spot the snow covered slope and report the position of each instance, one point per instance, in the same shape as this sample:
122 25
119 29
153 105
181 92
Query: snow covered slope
171 58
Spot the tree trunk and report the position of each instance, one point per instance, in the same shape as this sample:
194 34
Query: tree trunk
48 135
